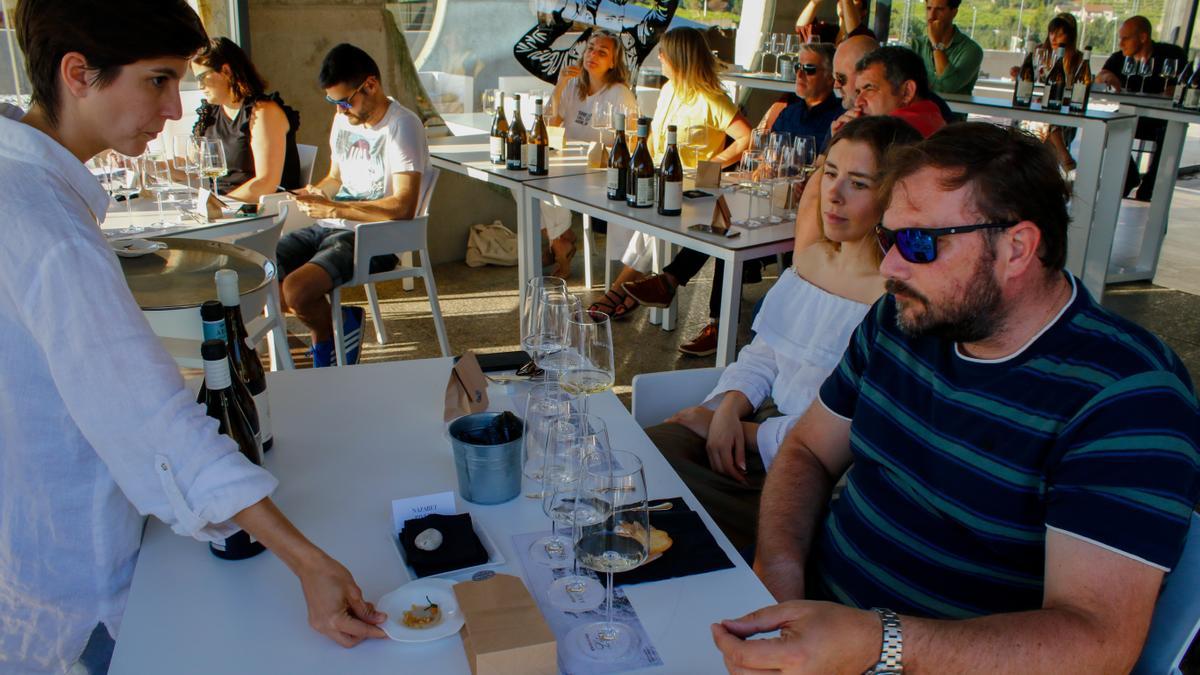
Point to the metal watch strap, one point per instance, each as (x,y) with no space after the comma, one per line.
(893,645)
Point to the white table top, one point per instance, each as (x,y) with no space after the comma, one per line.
(1003,107)
(143,212)
(472,155)
(768,81)
(591,190)
(347,442)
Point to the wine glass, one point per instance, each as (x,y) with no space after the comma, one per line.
(489,101)
(212,160)
(695,141)
(588,357)
(602,117)
(575,592)
(747,182)
(156,177)
(768,49)
(532,313)
(1129,68)
(1145,70)
(545,405)
(560,466)
(1170,70)
(183,160)
(613,483)
(1041,59)
(551,327)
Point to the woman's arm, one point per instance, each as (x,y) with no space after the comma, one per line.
(739,130)
(851,15)
(268,145)
(806,16)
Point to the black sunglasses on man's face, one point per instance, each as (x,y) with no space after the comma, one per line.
(918,245)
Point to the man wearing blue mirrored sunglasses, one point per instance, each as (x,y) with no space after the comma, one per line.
(1020,464)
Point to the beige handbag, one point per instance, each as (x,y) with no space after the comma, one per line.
(491,244)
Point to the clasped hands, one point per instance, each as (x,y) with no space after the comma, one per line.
(315,203)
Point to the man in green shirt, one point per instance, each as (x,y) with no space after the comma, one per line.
(951,58)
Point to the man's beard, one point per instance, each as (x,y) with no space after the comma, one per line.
(976,317)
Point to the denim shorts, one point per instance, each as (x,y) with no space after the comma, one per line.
(330,249)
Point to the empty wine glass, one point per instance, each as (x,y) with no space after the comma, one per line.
(561,463)
(1170,71)
(612,483)
(602,118)
(747,182)
(575,592)
(546,404)
(156,177)
(184,160)
(1129,68)
(1145,70)
(212,160)
(532,312)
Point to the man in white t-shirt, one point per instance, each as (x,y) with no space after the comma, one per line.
(378,171)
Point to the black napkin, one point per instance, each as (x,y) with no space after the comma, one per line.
(693,549)
(460,545)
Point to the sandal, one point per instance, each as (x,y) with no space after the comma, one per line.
(614,305)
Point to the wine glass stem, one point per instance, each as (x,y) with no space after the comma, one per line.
(158,202)
(607,632)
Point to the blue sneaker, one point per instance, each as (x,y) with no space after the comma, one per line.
(322,354)
(352,330)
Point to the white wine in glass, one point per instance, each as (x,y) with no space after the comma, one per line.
(212,161)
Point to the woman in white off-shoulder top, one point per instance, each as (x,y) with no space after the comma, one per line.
(723,447)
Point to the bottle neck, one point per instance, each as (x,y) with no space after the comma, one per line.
(215,330)
(216,375)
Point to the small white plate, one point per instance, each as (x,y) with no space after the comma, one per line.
(135,248)
(494,556)
(420,593)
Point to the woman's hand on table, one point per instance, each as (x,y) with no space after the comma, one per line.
(336,607)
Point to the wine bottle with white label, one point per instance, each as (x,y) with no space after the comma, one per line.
(1023,91)
(1056,83)
(212,316)
(539,143)
(242,354)
(1191,95)
(617,178)
(514,153)
(221,405)
(499,131)
(639,193)
(670,178)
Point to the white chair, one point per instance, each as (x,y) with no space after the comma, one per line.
(657,396)
(384,238)
(308,157)
(271,323)
(1176,617)
(269,205)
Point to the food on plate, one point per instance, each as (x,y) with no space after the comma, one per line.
(660,541)
(422,617)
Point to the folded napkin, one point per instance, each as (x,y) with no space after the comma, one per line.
(460,545)
(693,549)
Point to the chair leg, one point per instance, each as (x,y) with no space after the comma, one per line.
(281,356)
(434,308)
(406,260)
(381,333)
(587,251)
(339,341)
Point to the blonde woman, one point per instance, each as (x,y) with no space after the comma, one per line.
(603,80)
(692,97)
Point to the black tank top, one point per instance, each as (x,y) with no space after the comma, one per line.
(234,134)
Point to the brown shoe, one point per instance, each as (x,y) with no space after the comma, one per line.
(704,344)
(652,291)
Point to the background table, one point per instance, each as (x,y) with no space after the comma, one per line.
(587,194)
(143,212)
(347,442)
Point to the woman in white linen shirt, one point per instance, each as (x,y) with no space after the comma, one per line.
(97,428)
(723,447)
(603,80)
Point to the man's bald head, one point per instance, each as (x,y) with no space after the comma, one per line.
(844,59)
(1134,36)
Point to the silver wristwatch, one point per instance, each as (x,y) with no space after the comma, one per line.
(893,645)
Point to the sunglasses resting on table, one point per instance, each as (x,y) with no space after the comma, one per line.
(919,244)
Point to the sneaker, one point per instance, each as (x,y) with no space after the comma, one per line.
(352,330)
(652,291)
(322,354)
(704,344)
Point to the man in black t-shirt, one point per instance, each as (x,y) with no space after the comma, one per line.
(1134,40)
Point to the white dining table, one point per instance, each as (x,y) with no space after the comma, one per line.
(347,442)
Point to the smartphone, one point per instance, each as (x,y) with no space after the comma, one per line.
(696,194)
(708,229)
(500,361)
(247,210)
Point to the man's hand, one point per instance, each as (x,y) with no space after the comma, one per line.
(697,419)
(727,444)
(815,637)
(335,604)
(316,204)
(1109,78)
(845,118)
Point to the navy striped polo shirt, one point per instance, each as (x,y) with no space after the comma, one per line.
(961,465)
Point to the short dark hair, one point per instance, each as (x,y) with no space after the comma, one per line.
(244,78)
(1012,175)
(1141,23)
(347,64)
(900,64)
(108,35)
(953,4)
(881,132)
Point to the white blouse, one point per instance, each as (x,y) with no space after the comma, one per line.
(801,332)
(96,427)
(577,114)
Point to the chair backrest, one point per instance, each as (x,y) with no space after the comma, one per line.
(657,396)
(1177,614)
(308,157)
(427,194)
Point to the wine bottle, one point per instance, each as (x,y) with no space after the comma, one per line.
(212,317)
(670,178)
(539,143)
(1191,97)
(1181,84)
(1056,83)
(514,155)
(639,193)
(221,405)
(1081,85)
(499,131)
(618,161)
(1023,91)
(242,354)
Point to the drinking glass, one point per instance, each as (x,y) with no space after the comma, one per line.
(695,141)
(560,466)
(1041,58)
(533,313)
(1129,68)
(747,182)
(613,483)
(588,357)
(1146,70)
(602,118)
(545,405)
(575,592)
(550,328)
(768,49)
(183,160)
(156,177)
(212,160)
(490,97)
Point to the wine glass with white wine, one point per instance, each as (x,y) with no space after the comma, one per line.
(212,161)
(588,359)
